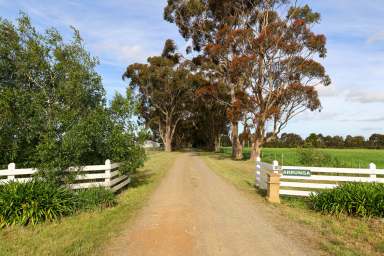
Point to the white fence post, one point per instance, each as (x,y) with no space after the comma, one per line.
(11,168)
(258,171)
(372,176)
(275,164)
(108,168)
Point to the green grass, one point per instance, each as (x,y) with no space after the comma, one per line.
(88,232)
(334,235)
(350,158)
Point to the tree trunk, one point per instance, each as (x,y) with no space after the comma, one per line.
(168,137)
(237,149)
(239,154)
(217,143)
(256,149)
(168,145)
(258,140)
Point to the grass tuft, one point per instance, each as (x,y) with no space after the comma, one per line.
(357,199)
(95,198)
(34,202)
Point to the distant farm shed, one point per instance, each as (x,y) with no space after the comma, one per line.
(149,144)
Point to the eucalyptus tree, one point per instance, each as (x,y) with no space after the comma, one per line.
(265,54)
(209,118)
(282,67)
(202,22)
(163,86)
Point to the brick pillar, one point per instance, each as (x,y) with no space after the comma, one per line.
(273,188)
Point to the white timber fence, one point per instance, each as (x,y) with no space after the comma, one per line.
(106,175)
(302,181)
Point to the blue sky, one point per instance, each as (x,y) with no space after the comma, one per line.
(121,32)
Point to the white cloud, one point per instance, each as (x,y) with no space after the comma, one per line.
(367,119)
(373,119)
(118,53)
(366,96)
(120,32)
(310,116)
(328,91)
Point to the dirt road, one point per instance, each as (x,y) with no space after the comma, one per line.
(195,212)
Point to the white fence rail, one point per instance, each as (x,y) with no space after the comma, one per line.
(106,175)
(302,181)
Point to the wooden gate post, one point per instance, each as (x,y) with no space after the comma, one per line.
(273,188)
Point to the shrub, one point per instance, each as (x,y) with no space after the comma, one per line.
(315,157)
(34,202)
(94,198)
(357,199)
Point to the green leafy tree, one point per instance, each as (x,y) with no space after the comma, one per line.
(291,140)
(376,141)
(163,86)
(46,86)
(314,141)
(354,141)
(334,141)
(209,119)
(54,113)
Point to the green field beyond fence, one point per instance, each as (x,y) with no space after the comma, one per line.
(349,158)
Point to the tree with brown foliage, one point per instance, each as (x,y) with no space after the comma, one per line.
(203,22)
(265,53)
(282,73)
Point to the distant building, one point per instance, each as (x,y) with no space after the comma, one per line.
(149,144)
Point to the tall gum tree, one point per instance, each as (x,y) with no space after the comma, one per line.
(164,89)
(266,53)
(281,68)
(203,23)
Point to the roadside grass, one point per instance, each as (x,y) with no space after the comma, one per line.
(339,236)
(349,158)
(86,233)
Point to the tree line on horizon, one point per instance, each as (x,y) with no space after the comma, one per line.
(313,140)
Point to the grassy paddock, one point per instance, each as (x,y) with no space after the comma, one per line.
(350,158)
(86,233)
(335,235)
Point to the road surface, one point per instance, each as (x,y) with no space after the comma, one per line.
(196,212)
